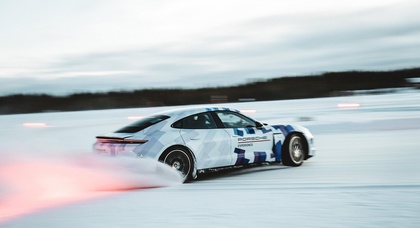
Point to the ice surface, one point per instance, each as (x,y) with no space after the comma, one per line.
(365,174)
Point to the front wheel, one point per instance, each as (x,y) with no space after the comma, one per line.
(179,159)
(294,151)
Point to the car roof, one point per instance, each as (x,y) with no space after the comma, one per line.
(183,112)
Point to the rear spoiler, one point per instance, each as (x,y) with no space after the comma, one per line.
(108,139)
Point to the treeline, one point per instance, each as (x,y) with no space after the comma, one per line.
(323,85)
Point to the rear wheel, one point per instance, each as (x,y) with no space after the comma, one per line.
(294,151)
(179,159)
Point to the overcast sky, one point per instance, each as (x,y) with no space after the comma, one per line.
(61,47)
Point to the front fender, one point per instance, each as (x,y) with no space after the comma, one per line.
(288,129)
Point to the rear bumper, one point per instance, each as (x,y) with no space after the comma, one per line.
(114,149)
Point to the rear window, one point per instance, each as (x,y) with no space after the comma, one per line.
(142,124)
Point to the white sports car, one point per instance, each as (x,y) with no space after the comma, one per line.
(198,140)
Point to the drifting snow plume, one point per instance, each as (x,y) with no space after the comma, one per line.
(29,184)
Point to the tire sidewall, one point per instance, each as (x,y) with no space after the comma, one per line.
(181,152)
(287,156)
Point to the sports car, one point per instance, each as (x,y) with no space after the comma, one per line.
(198,140)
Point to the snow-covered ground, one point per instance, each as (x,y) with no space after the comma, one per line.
(366,172)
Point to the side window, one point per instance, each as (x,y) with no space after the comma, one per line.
(235,120)
(197,121)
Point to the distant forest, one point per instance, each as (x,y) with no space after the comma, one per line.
(322,85)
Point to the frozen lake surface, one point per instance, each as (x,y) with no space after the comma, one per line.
(366,172)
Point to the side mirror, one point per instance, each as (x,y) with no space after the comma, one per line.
(259,125)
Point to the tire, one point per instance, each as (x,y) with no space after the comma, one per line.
(179,159)
(294,151)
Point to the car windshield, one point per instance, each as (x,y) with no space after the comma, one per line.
(142,124)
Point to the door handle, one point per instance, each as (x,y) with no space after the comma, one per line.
(194,138)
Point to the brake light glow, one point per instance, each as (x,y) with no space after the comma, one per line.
(135,117)
(248,111)
(33,124)
(348,105)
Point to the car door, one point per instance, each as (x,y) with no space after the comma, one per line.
(250,142)
(211,145)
